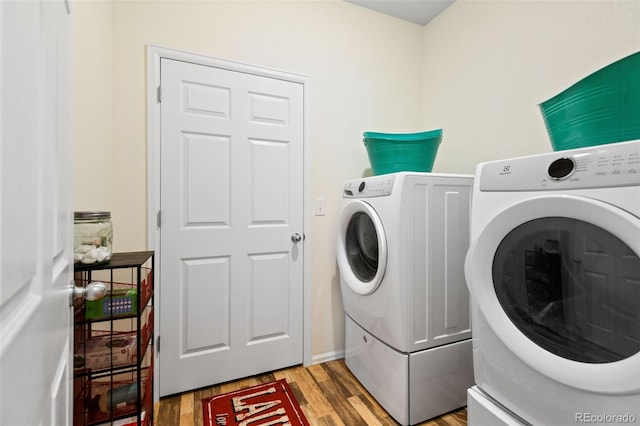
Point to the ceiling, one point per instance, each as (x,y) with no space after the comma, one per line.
(417,11)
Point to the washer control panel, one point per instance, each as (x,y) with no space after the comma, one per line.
(561,168)
(376,186)
(594,167)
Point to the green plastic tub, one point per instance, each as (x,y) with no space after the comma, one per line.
(602,108)
(402,152)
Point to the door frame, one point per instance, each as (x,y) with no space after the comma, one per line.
(153,56)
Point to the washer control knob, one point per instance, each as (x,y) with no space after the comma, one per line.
(361,187)
(561,168)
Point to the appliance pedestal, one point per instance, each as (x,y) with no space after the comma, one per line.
(482,410)
(411,387)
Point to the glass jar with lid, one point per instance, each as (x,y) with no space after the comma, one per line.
(93,237)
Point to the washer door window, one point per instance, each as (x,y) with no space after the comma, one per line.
(362,248)
(557,279)
(572,288)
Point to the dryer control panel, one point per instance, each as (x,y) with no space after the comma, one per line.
(600,166)
(376,186)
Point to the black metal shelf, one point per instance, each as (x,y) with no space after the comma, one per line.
(118,389)
(118,261)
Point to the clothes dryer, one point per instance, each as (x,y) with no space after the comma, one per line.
(401,247)
(554,273)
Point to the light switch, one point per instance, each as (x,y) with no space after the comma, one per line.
(321,206)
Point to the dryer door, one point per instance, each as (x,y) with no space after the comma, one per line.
(558,280)
(362,248)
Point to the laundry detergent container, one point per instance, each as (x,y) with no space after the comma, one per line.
(402,152)
(602,108)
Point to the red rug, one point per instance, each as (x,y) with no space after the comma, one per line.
(262,405)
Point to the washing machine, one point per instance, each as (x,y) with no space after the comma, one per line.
(554,277)
(401,245)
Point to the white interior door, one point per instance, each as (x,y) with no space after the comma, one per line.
(231,197)
(35,219)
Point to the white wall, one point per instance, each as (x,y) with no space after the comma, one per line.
(478,71)
(366,75)
(488,64)
(92,105)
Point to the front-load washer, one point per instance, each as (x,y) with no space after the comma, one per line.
(554,275)
(401,245)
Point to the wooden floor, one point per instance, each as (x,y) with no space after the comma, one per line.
(328,394)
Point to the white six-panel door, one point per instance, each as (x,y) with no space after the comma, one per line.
(231,197)
(35,219)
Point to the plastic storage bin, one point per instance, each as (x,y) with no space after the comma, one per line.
(402,152)
(602,108)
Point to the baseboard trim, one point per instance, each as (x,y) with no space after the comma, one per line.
(327,356)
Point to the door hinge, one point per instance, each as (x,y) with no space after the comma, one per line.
(159,92)
(157,345)
(159,218)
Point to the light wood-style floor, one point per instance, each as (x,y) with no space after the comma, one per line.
(328,394)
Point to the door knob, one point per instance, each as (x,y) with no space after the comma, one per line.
(93,291)
(296,238)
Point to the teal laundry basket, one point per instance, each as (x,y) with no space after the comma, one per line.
(402,152)
(602,108)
